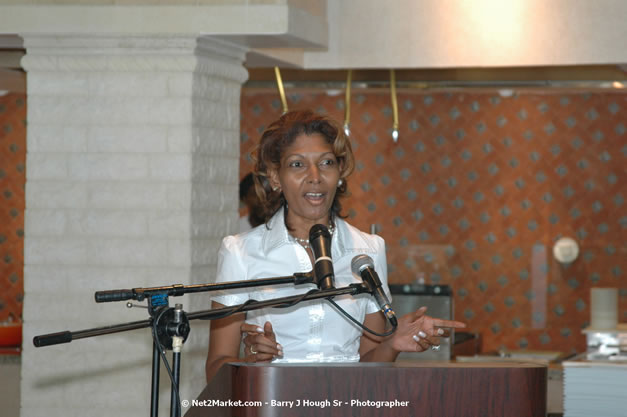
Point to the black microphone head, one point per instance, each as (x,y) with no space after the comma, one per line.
(318,230)
(360,262)
(320,241)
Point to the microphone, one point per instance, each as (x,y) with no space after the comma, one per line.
(364,265)
(320,242)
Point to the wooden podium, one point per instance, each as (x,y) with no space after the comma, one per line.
(376,389)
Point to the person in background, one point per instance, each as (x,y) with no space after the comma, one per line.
(248,198)
(301,167)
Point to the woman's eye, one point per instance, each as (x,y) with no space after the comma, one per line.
(328,162)
(295,164)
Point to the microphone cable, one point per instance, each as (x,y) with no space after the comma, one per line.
(300,299)
(164,358)
(351,318)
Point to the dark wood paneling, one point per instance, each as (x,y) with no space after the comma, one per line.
(429,389)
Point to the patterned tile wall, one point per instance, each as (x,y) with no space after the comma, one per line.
(476,192)
(12,180)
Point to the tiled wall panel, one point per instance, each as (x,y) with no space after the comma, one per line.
(12,179)
(476,192)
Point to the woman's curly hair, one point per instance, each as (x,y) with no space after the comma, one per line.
(279,136)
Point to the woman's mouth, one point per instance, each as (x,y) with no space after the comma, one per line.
(314,198)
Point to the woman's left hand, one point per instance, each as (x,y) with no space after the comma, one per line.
(417,332)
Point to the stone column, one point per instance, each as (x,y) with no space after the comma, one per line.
(132,180)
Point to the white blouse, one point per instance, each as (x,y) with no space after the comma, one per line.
(311,331)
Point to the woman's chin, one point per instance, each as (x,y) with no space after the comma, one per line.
(318,214)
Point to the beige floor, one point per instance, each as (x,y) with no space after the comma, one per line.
(10,385)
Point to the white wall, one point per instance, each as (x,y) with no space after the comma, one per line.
(472,33)
(132,178)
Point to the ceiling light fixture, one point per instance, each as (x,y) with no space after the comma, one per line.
(347,104)
(279,84)
(394,106)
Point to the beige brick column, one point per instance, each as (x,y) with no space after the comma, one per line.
(132,176)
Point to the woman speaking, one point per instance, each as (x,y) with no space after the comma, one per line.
(302,162)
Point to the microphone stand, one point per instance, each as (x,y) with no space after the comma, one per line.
(171,325)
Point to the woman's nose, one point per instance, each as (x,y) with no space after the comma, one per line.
(314,174)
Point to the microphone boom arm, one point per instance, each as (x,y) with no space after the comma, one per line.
(178,289)
(68,336)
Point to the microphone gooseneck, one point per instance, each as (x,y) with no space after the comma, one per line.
(363,265)
(320,242)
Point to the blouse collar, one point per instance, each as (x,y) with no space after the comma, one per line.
(343,241)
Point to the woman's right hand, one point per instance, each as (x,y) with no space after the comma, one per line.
(260,345)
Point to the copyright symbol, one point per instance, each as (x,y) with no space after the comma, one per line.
(185,403)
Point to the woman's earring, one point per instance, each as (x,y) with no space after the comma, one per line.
(340,182)
(275,188)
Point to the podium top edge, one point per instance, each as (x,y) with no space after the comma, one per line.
(501,364)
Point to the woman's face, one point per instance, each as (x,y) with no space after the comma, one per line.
(308,175)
